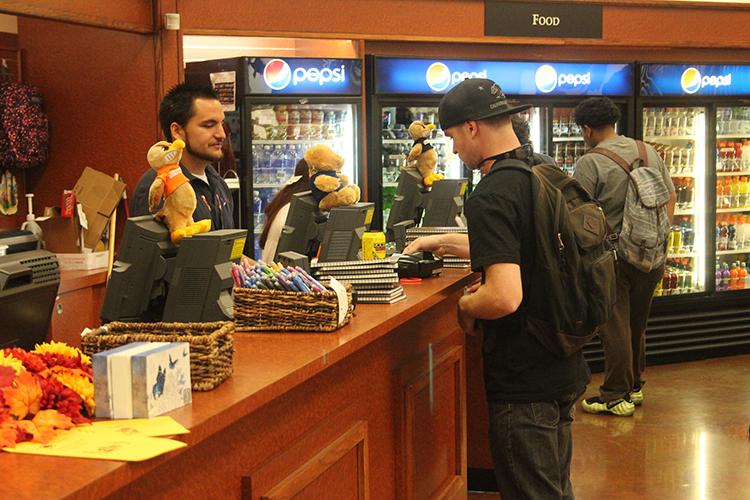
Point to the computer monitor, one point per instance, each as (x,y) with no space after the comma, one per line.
(200,287)
(151,274)
(301,229)
(342,237)
(444,204)
(407,203)
(137,288)
(28,289)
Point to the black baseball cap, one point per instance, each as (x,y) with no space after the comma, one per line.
(475,99)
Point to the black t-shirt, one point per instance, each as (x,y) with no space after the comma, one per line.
(517,367)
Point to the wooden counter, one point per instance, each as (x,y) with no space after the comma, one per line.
(374,410)
(79,300)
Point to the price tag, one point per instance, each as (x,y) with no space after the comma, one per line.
(343,299)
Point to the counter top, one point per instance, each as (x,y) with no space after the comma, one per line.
(75,280)
(266,366)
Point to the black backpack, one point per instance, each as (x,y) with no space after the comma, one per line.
(572,287)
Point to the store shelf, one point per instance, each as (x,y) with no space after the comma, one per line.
(297,141)
(390,184)
(733,136)
(689,255)
(731,210)
(436,140)
(656,138)
(267,185)
(732,174)
(733,252)
(686,211)
(572,138)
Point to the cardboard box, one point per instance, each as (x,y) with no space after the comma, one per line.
(82,261)
(161,379)
(99,194)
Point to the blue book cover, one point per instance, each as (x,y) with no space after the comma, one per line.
(161,379)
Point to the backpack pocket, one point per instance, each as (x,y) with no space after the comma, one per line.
(589,225)
(602,288)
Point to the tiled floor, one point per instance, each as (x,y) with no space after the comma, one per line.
(689,440)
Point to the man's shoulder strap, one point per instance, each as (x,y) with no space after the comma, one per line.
(642,156)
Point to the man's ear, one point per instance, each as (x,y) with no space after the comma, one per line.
(177,131)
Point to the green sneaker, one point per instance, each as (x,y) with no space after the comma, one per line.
(636,395)
(620,407)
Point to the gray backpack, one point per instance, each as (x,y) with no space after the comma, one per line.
(642,241)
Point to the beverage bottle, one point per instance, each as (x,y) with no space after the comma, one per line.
(329,124)
(690,123)
(564,121)
(665,282)
(305,122)
(558,159)
(717,278)
(733,277)
(734,191)
(743,276)
(555,123)
(670,240)
(688,274)
(723,235)
(737,164)
(282,119)
(264,165)
(746,153)
(316,123)
(742,192)
(667,125)
(718,233)
(293,122)
(575,130)
(725,276)
(732,234)
(658,121)
(257,210)
(648,127)
(719,165)
(677,240)
(673,281)
(276,165)
(255,156)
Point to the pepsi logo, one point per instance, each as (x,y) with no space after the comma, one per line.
(277,74)
(546,78)
(691,80)
(438,76)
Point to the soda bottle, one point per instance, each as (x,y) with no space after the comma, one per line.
(734,192)
(305,122)
(316,123)
(556,123)
(648,126)
(733,277)
(293,126)
(725,276)
(717,278)
(564,129)
(723,235)
(257,210)
(743,276)
(673,281)
(746,153)
(665,283)
(732,234)
(282,118)
(329,124)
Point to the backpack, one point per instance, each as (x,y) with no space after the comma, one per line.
(572,287)
(642,241)
(24,132)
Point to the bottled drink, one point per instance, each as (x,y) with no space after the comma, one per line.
(717,277)
(688,158)
(564,130)
(305,122)
(733,277)
(282,119)
(723,235)
(743,276)
(556,123)
(293,120)
(257,211)
(732,234)
(725,276)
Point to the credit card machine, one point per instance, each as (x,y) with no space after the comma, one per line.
(419,265)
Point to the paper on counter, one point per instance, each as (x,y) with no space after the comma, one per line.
(127,440)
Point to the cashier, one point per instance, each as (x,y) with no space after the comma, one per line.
(194,114)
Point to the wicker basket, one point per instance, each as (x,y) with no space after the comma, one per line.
(211,345)
(274,310)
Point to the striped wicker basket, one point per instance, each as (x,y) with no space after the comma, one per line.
(274,310)
(211,345)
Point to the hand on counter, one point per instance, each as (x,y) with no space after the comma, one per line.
(441,244)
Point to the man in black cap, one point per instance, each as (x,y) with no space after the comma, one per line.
(531,393)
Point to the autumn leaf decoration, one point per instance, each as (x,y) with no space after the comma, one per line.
(43,391)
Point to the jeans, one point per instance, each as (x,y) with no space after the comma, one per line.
(532,446)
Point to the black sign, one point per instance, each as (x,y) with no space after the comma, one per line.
(544,20)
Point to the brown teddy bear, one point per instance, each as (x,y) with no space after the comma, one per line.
(329,186)
(179,196)
(423,152)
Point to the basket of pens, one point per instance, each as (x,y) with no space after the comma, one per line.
(276,298)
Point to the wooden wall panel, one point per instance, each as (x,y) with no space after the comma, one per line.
(101,99)
(133,15)
(433,440)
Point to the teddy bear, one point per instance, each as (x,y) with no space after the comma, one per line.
(329,186)
(423,152)
(174,187)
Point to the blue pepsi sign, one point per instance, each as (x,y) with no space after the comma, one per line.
(694,79)
(305,76)
(430,76)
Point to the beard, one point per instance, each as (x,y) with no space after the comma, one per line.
(203,155)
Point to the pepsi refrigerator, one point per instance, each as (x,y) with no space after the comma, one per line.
(697,116)
(277,109)
(404,90)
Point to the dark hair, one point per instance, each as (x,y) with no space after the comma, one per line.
(285,196)
(177,105)
(597,112)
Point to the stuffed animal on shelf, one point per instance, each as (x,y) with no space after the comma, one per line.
(174,187)
(329,186)
(423,152)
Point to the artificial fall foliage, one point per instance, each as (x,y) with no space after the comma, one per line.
(43,390)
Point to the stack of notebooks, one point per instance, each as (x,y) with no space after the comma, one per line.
(375,281)
(448,260)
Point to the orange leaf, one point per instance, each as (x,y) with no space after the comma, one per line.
(25,397)
(7,374)
(8,434)
(28,427)
(52,419)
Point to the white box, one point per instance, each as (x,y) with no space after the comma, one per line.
(82,261)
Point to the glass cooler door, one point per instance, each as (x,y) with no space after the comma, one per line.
(679,135)
(732,200)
